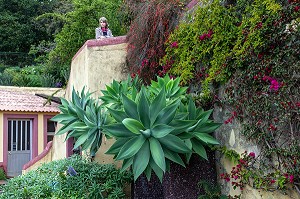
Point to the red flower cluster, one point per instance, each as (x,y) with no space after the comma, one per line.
(233,115)
(174,44)
(275,85)
(206,35)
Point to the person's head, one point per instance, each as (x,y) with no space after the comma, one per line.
(103,22)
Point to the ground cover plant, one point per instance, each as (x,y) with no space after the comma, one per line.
(74,177)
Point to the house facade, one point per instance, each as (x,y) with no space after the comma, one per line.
(25,128)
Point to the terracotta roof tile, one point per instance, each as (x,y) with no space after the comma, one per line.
(19,101)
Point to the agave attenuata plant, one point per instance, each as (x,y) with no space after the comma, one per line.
(82,118)
(152,131)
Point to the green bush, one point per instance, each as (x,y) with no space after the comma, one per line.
(73,177)
(2,174)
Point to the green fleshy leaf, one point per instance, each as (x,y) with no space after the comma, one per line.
(81,140)
(117,145)
(198,148)
(207,127)
(126,163)
(174,144)
(118,130)
(166,115)
(131,147)
(130,107)
(62,117)
(173,157)
(157,170)
(143,109)
(161,130)
(133,125)
(157,153)
(119,116)
(141,160)
(208,139)
(157,105)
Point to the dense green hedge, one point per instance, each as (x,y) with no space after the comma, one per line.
(69,178)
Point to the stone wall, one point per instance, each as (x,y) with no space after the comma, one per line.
(230,136)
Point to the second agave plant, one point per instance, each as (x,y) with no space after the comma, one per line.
(155,127)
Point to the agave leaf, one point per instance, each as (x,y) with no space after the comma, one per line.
(173,157)
(126,163)
(112,92)
(62,117)
(64,102)
(157,170)
(208,139)
(130,107)
(191,109)
(89,123)
(157,153)
(143,109)
(90,113)
(181,125)
(133,125)
(148,172)
(157,105)
(141,160)
(119,116)
(174,143)
(166,115)
(118,130)
(185,135)
(116,147)
(108,99)
(207,127)
(198,148)
(204,116)
(66,128)
(161,130)
(131,147)
(81,140)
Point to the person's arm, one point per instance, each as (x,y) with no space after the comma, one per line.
(98,33)
(109,33)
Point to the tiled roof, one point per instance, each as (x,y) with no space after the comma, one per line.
(21,101)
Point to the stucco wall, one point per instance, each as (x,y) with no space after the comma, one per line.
(96,64)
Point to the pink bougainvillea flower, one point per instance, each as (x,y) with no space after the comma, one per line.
(274,85)
(202,37)
(291,178)
(296,8)
(272,181)
(174,44)
(252,154)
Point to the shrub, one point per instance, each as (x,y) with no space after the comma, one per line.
(2,174)
(153,21)
(74,177)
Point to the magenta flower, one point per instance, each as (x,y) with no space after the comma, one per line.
(202,37)
(252,154)
(291,178)
(296,8)
(174,44)
(274,85)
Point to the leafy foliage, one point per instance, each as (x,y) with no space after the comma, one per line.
(253,47)
(69,178)
(152,22)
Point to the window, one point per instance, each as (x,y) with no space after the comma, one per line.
(51,126)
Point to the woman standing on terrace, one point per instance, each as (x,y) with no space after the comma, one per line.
(103,31)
